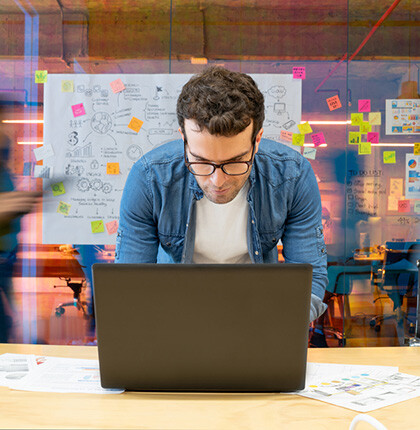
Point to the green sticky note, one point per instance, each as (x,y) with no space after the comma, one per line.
(417,206)
(58,189)
(389,157)
(63,208)
(365,127)
(356,118)
(298,139)
(97,226)
(365,148)
(41,76)
(354,137)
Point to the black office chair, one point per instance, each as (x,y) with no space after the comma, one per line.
(398,278)
(77,288)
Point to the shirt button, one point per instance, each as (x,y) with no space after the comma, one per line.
(253,222)
(256,252)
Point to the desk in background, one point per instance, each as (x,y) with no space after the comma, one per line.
(20,409)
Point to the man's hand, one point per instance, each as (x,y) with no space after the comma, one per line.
(17,203)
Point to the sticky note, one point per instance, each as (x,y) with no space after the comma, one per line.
(41,76)
(354,137)
(58,189)
(135,124)
(356,118)
(305,128)
(67,86)
(112,227)
(117,86)
(112,168)
(78,110)
(389,157)
(375,118)
(417,148)
(417,206)
(365,148)
(318,138)
(43,152)
(298,139)
(309,153)
(63,208)
(364,105)
(287,136)
(403,205)
(392,203)
(97,226)
(334,103)
(299,73)
(365,127)
(372,137)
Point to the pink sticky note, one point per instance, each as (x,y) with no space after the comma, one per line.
(318,139)
(78,110)
(299,73)
(334,103)
(112,227)
(117,86)
(372,137)
(364,105)
(287,136)
(403,205)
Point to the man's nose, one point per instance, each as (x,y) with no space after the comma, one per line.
(218,178)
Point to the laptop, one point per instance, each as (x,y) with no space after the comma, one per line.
(193,327)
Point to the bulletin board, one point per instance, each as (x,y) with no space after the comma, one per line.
(97,126)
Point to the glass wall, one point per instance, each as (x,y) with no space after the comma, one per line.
(365,54)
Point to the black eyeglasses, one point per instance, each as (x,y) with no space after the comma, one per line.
(206,168)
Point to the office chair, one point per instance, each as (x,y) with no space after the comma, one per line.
(398,278)
(77,288)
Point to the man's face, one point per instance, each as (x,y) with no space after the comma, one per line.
(202,146)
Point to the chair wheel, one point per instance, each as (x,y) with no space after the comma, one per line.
(372,323)
(377,328)
(59,312)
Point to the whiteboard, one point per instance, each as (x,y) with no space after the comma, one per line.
(77,149)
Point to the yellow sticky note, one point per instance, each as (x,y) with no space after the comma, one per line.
(63,208)
(354,137)
(389,157)
(58,189)
(135,124)
(375,118)
(356,118)
(41,76)
(365,127)
(365,148)
(97,226)
(417,148)
(298,139)
(112,168)
(305,128)
(67,86)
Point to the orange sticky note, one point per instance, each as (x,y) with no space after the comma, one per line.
(334,103)
(403,205)
(112,168)
(112,227)
(135,124)
(287,136)
(117,86)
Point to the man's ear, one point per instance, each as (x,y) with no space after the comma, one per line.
(182,134)
(258,140)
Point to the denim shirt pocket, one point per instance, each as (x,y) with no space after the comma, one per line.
(269,240)
(320,243)
(172,245)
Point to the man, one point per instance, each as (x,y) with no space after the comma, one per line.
(223,194)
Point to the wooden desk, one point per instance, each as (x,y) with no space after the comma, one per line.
(19,409)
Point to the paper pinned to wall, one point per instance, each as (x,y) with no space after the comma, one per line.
(96,132)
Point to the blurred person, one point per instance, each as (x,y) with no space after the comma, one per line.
(13,204)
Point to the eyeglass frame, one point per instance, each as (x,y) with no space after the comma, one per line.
(218,166)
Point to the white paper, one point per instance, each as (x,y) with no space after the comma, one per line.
(43,152)
(412,176)
(84,145)
(42,171)
(402,117)
(15,367)
(60,375)
(360,388)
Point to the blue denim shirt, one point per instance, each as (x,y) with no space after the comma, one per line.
(158,210)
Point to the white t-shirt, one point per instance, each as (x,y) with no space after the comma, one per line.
(221,230)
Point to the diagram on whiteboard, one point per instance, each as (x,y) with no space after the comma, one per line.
(97,126)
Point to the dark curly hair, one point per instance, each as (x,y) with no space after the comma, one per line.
(221,101)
